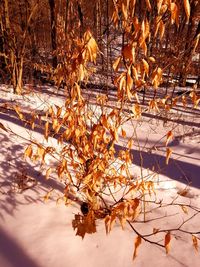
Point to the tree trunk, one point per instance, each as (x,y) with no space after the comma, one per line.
(17,85)
(52,6)
(2,47)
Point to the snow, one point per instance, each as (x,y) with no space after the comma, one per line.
(35,233)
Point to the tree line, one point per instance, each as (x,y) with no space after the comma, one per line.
(36,35)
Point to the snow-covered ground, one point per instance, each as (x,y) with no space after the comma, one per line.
(35,233)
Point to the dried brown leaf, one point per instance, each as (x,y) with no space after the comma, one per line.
(184,209)
(168,154)
(159,5)
(46,130)
(116,64)
(28,152)
(169,137)
(148,5)
(123,133)
(167,242)
(48,172)
(137,243)
(187,8)
(195,242)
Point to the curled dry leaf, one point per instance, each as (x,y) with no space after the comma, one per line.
(167,242)
(28,152)
(157,77)
(152,59)
(130,143)
(135,73)
(48,172)
(162,29)
(168,154)
(184,209)
(195,242)
(18,111)
(46,130)
(187,8)
(153,105)
(123,133)
(159,5)
(146,66)
(196,42)
(137,111)
(183,192)
(128,52)
(116,64)
(148,5)
(138,241)
(125,11)
(174,13)
(47,196)
(91,47)
(169,137)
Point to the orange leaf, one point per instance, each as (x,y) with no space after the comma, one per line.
(46,130)
(129,82)
(137,110)
(48,172)
(17,109)
(146,66)
(78,91)
(169,137)
(144,47)
(184,209)
(41,153)
(196,42)
(157,77)
(138,241)
(104,121)
(152,59)
(167,242)
(169,152)
(148,5)
(47,196)
(187,9)
(159,4)
(195,242)
(162,29)
(124,11)
(135,73)
(174,13)
(115,134)
(59,111)
(129,144)
(128,52)
(28,152)
(81,72)
(123,133)
(116,64)
(136,97)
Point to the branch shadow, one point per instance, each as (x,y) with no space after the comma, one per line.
(12,168)
(178,170)
(13,253)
